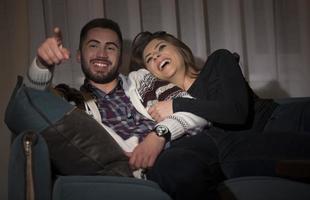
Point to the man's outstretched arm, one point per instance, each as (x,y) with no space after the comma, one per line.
(50,53)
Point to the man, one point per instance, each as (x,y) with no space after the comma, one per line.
(99,53)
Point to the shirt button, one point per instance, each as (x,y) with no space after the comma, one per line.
(129,116)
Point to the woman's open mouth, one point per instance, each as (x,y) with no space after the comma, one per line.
(163,64)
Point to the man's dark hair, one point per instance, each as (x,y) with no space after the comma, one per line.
(100,23)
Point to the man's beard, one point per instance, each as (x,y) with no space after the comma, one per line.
(100,77)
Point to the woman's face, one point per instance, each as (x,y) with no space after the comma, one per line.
(163,59)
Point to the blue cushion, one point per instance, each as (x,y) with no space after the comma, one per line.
(34,109)
(106,187)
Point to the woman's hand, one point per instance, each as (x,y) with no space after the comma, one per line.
(145,154)
(160,110)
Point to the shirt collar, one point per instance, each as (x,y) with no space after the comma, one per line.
(88,87)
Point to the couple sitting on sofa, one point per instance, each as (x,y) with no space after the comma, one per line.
(183,126)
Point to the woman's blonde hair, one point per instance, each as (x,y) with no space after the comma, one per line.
(143,38)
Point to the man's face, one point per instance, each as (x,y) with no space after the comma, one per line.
(100,55)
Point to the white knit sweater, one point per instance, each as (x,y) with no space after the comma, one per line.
(178,123)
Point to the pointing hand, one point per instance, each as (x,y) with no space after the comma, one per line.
(51,52)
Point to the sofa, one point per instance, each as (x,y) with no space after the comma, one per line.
(52,165)
(31,176)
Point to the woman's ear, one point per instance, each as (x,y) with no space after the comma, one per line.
(78,56)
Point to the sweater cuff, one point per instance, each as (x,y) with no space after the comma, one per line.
(39,78)
(174,127)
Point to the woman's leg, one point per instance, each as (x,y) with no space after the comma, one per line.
(253,153)
(293,117)
(189,169)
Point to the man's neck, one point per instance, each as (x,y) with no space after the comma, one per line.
(105,87)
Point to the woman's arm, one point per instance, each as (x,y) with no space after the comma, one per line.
(220,91)
(178,123)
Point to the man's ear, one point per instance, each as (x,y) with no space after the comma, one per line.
(78,56)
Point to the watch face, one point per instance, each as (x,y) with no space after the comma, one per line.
(161,130)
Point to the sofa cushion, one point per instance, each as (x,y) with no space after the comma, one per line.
(106,187)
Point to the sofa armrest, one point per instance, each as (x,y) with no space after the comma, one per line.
(29,169)
(292,99)
(262,188)
(294,169)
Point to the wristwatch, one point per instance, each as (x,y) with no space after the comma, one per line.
(163,131)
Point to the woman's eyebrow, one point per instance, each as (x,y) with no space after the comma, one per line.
(158,44)
(154,48)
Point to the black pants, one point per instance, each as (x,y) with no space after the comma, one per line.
(189,168)
(193,166)
(293,117)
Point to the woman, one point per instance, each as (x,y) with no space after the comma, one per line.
(221,93)
(248,136)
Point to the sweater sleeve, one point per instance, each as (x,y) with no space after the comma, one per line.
(37,77)
(178,123)
(220,91)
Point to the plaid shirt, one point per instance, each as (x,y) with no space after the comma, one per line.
(118,113)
